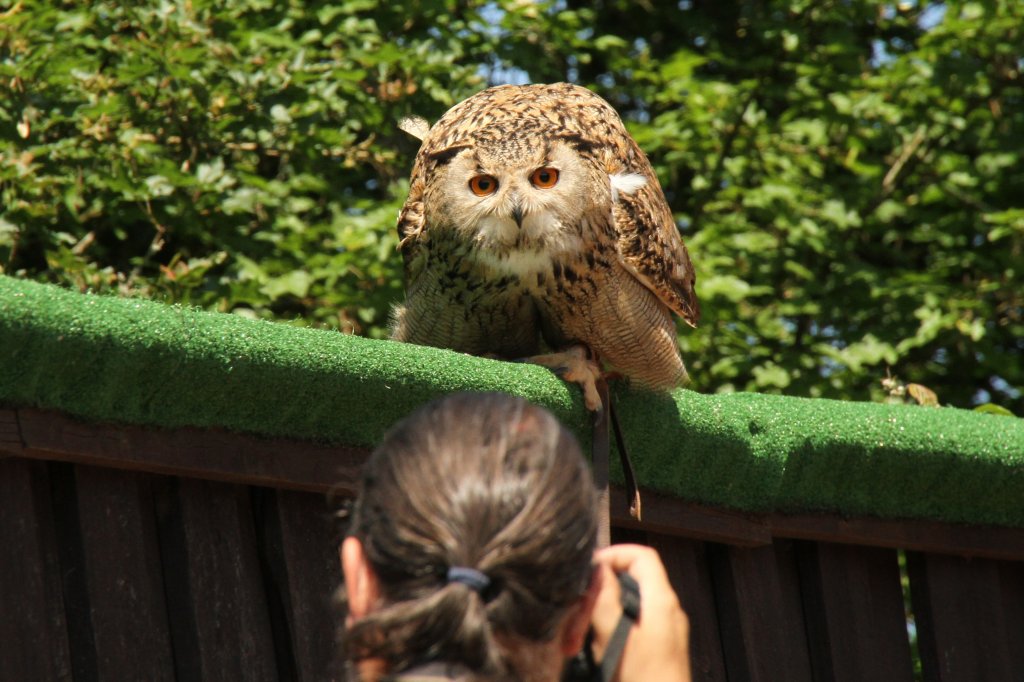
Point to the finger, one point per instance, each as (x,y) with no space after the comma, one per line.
(607,611)
(643,563)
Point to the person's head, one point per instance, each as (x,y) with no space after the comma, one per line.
(485,482)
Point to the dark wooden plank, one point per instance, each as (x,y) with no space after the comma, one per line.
(123,576)
(311,575)
(687,566)
(199,453)
(10,433)
(71,557)
(791,603)
(33,629)
(853,606)
(221,587)
(670,516)
(1011,582)
(914,535)
(762,629)
(961,628)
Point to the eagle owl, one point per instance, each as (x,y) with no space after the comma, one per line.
(534,222)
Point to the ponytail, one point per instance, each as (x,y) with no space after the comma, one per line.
(477,515)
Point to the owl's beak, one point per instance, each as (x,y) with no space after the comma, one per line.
(517,211)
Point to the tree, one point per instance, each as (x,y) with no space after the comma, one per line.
(847,175)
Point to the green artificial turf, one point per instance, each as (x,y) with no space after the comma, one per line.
(133,361)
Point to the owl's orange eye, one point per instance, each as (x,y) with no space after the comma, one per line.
(483,185)
(544,178)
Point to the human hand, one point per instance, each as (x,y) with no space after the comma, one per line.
(657,649)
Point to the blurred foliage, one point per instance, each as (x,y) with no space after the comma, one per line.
(849,176)
(239,156)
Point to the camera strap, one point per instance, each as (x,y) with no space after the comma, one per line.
(601,454)
(583,667)
(629,596)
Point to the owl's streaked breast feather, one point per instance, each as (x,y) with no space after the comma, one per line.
(516,261)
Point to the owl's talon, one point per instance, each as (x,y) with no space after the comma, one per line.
(575,366)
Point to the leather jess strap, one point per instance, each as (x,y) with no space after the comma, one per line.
(601,453)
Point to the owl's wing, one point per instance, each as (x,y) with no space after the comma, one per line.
(650,247)
(411,221)
(411,224)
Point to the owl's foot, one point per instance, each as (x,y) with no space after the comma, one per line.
(575,365)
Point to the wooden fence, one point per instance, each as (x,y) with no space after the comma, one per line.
(135,554)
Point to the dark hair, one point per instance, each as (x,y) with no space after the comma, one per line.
(484,481)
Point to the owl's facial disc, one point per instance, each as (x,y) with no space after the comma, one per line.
(517,201)
(519,215)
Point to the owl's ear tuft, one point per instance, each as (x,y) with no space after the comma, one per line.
(416,126)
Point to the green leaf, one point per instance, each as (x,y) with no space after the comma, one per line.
(295,283)
(990,408)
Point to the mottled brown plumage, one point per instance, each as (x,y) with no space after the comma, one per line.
(500,260)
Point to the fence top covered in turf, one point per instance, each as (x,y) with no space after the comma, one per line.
(132,361)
